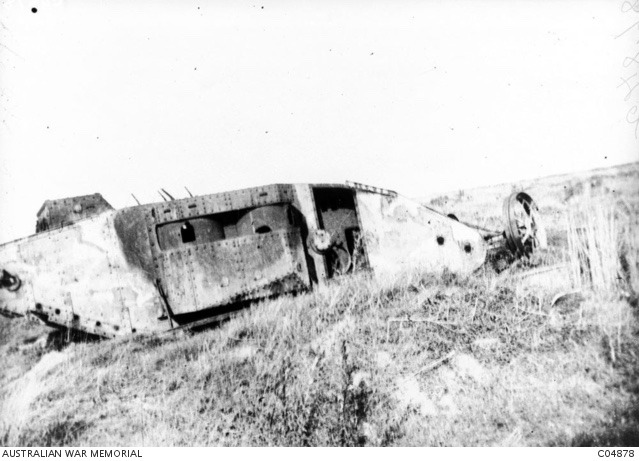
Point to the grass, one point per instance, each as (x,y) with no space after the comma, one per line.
(415,359)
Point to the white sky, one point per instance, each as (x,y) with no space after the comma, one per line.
(118,97)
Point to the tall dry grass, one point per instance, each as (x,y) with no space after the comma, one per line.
(333,368)
(603,246)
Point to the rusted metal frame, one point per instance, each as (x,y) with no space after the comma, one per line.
(367,188)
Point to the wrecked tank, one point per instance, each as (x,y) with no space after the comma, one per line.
(187,262)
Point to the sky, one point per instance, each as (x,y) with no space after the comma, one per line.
(125,97)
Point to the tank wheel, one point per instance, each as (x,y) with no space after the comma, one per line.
(523,225)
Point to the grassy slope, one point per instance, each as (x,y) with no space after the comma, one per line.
(328,368)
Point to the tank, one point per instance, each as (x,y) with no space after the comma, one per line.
(187,262)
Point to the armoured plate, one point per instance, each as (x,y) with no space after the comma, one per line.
(215,274)
(400,234)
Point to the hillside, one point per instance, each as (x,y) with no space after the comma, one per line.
(417,359)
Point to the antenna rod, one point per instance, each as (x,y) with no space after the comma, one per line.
(135,198)
(170,196)
(187,189)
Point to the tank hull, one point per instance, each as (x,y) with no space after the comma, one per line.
(160,266)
